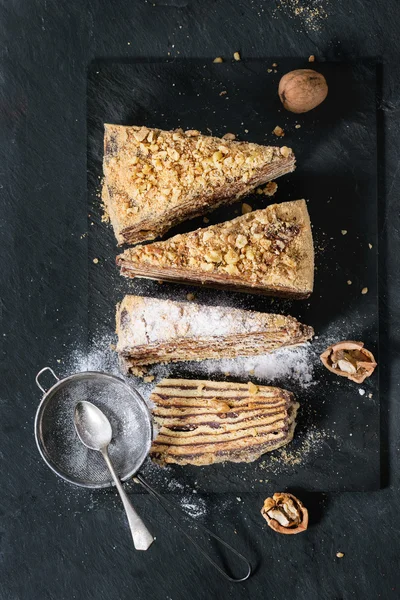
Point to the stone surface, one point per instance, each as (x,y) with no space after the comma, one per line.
(60,543)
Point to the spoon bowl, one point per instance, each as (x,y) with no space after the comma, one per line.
(92,426)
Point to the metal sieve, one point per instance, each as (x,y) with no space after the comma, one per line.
(132,427)
(59,444)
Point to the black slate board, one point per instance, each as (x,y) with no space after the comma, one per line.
(336,171)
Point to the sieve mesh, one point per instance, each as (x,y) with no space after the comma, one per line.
(59,443)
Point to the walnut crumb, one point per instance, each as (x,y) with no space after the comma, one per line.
(285,151)
(219,59)
(253,389)
(370,246)
(229,136)
(364,290)
(223,93)
(297,126)
(270,188)
(95,260)
(344,231)
(311,58)
(190,297)
(269,70)
(246,208)
(339,554)
(349,282)
(274,65)
(278,131)
(236,56)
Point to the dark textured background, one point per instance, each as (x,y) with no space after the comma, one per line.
(51,548)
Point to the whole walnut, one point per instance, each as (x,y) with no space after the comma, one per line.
(302,90)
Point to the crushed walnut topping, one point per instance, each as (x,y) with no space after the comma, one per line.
(278,131)
(349,359)
(285,513)
(246,247)
(156,167)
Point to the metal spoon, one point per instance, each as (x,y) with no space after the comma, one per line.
(95,432)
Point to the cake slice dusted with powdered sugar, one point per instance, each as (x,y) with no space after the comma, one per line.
(161,331)
(205,422)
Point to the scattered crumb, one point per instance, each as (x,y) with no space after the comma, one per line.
(238,499)
(311,58)
(138,371)
(236,56)
(223,93)
(310,13)
(219,59)
(270,188)
(344,231)
(278,131)
(339,554)
(58,360)
(148,378)
(274,65)
(275,71)
(190,297)
(206,220)
(361,392)
(246,208)
(349,282)
(269,70)
(95,260)
(229,136)
(369,395)
(364,290)
(297,126)
(246,131)
(370,246)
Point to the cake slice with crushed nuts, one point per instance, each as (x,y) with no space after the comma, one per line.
(268,251)
(155,179)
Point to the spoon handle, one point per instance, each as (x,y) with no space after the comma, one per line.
(142,538)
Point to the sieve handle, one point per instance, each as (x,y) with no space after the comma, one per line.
(41,373)
(166,504)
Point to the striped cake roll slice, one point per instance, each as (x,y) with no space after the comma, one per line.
(205,422)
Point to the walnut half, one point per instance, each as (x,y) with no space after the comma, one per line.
(285,513)
(349,359)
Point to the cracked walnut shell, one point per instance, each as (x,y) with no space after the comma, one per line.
(349,359)
(285,513)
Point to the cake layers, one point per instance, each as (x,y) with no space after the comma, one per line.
(155,179)
(268,251)
(153,331)
(204,422)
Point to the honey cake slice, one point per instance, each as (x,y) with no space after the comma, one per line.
(205,422)
(268,251)
(152,331)
(155,179)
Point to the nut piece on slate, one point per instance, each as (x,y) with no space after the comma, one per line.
(302,90)
(284,513)
(349,359)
